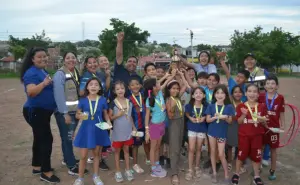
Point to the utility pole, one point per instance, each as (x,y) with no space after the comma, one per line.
(83,29)
(191,36)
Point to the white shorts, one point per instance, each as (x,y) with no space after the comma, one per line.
(199,135)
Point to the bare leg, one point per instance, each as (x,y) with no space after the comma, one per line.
(192,143)
(221,149)
(273,158)
(82,162)
(126,156)
(117,159)
(198,152)
(135,154)
(213,143)
(147,150)
(96,152)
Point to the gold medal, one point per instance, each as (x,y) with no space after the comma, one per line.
(93,111)
(198,116)
(141,109)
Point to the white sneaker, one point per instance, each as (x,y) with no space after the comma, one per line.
(265,163)
(137,168)
(78,182)
(63,163)
(129,175)
(90,160)
(97,181)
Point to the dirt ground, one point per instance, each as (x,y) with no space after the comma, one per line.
(16,142)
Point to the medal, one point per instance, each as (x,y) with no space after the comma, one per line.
(198,116)
(93,111)
(270,106)
(139,103)
(253,114)
(178,103)
(219,113)
(121,108)
(160,104)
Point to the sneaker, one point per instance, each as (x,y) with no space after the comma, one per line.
(78,182)
(75,171)
(265,163)
(90,160)
(52,179)
(272,175)
(103,166)
(258,181)
(226,181)
(64,163)
(158,171)
(38,172)
(119,177)
(97,180)
(148,162)
(214,179)
(129,175)
(235,179)
(137,168)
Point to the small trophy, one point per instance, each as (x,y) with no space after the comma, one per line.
(175,57)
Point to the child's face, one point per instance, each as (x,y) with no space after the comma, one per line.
(252,93)
(203,58)
(135,86)
(191,73)
(151,71)
(93,87)
(160,73)
(174,91)
(240,79)
(120,90)
(237,94)
(202,81)
(220,95)
(271,86)
(198,95)
(211,82)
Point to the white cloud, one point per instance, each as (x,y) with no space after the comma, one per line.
(163,19)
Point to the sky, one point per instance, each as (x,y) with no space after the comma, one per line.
(212,22)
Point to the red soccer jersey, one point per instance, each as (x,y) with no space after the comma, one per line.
(247,128)
(276,109)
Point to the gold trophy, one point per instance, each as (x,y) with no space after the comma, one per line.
(175,57)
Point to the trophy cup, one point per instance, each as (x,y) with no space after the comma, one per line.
(175,57)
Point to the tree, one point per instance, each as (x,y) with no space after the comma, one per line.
(202,47)
(67,46)
(133,37)
(18,51)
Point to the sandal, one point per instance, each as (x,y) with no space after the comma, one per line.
(229,167)
(189,175)
(198,172)
(175,181)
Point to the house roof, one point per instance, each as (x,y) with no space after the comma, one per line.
(8,59)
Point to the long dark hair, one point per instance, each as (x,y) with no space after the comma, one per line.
(27,61)
(148,90)
(169,86)
(224,89)
(192,101)
(86,91)
(85,62)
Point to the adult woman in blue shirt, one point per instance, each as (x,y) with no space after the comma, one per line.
(37,111)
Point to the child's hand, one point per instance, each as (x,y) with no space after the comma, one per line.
(193,120)
(173,72)
(262,119)
(147,138)
(121,113)
(244,111)
(223,117)
(81,116)
(202,119)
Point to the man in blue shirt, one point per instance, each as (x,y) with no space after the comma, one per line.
(121,72)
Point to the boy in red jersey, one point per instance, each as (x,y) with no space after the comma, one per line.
(275,105)
(251,117)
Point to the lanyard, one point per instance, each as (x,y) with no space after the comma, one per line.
(178,103)
(121,108)
(200,112)
(219,113)
(269,106)
(75,76)
(209,96)
(253,115)
(140,104)
(159,104)
(93,111)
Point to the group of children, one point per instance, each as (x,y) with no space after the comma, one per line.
(221,119)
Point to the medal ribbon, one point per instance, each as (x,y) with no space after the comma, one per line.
(253,115)
(178,103)
(200,112)
(269,106)
(93,111)
(159,104)
(140,104)
(120,106)
(219,113)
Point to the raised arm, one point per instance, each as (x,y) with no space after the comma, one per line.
(119,50)
(185,62)
(225,67)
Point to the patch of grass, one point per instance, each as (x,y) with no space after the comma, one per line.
(9,75)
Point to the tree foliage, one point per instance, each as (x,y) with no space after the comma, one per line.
(134,36)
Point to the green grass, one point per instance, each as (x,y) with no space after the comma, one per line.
(9,75)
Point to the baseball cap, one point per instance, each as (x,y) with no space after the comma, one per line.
(250,55)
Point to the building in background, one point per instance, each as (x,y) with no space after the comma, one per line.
(54,60)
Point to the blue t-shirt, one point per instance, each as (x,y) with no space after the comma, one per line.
(219,130)
(158,116)
(122,74)
(208,94)
(84,106)
(196,127)
(45,99)
(232,83)
(86,76)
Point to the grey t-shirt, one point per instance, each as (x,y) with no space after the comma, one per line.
(122,127)
(210,68)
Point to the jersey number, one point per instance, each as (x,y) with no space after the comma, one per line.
(274,138)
